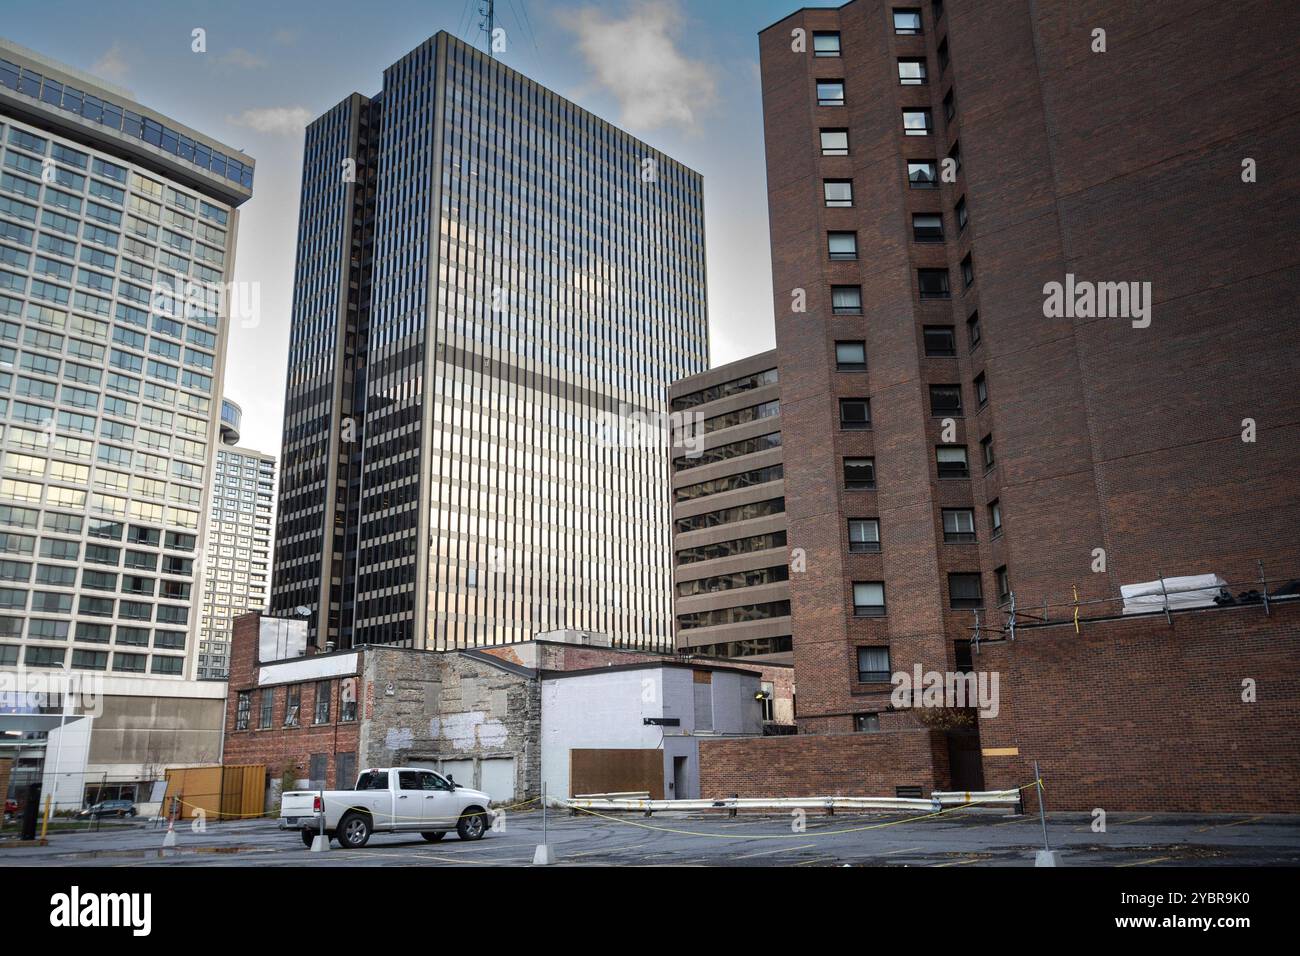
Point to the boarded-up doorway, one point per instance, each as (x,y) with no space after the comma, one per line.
(616,771)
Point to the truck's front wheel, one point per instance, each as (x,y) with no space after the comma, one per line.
(473,823)
(353,831)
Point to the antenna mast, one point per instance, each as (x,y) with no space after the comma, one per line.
(489,18)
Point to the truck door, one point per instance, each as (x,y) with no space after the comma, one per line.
(408,801)
(441,806)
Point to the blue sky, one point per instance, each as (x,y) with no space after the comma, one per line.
(681,74)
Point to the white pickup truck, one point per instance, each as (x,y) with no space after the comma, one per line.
(394,800)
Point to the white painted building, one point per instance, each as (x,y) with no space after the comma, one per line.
(656,706)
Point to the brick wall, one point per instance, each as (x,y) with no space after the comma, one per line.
(1144,715)
(851,765)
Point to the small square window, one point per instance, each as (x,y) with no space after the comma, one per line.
(907,21)
(842,246)
(869,600)
(864,535)
(933,283)
(873,665)
(866,723)
(826,44)
(911,72)
(922,174)
(835,142)
(917,122)
(855,413)
(927,227)
(846,299)
(958,525)
(951,461)
(838,192)
(945,400)
(859,474)
(940,341)
(851,356)
(830,92)
(965,590)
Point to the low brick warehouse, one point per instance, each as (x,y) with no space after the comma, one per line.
(820,765)
(1140,714)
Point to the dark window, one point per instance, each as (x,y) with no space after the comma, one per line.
(927,227)
(940,341)
(945,400)
(943,55)
(986,445)
(961,214)
(1004,585)
(917,122)
(951,461)
(864,535)
(955,155)
(851,356)
(292,705)
(967,272)
(855,413)
(995,517)
(826,44)
(835,142)
(264,715)
(322,714)
(933,283)
(243,704)
(937,6)
(949,106)
(345,771)
(373,780)
(842,245)
(873,665)
(965,590)
(981,390)
(830,92)
(846,299)
(859,474)
(348,699)
(973,330)
(922,174)
(958,525)
(907,21)
(869,600)
(866,723)
(838,192)
(911,72)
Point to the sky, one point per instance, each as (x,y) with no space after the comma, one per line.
(680,74)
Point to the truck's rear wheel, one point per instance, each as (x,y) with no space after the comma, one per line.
(354,831)
(472,824)
(433,836)
(308,836)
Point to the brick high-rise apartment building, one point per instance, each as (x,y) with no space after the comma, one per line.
(932,168)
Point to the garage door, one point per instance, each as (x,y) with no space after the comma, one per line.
(461,770)
(497,778)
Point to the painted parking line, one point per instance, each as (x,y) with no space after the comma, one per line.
(1158,859)
(824,859)
(1234,823)
(470,859)
(906,849)
(972,859)
(782,849)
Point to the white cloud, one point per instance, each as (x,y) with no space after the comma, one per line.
(637,60)
(112,65)
(278,120)
(241,58)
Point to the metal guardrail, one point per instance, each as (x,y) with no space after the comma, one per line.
(937,800)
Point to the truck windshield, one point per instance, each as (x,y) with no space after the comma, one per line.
(373,780)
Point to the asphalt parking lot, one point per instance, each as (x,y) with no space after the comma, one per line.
(968,838)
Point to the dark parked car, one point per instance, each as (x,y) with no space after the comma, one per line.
(108,808)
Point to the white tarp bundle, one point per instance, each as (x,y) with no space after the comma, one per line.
(1193,590)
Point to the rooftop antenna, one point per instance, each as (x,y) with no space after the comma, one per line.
(489,23)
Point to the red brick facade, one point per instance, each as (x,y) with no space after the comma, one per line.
(1141,714)
(1122,166)
(850,765)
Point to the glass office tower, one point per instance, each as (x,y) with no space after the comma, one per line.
(110,369)
(490,280)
